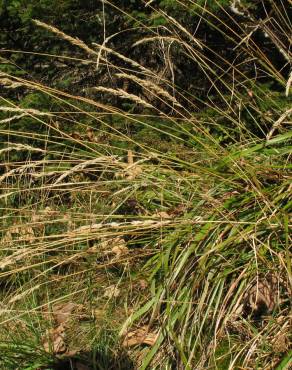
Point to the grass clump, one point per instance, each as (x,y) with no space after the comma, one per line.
(150,232)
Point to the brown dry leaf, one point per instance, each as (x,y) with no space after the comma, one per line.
(260,297)
(178,210)
(55,340)
(76,135)
(7,239)
(112,292)
(48,211)
(27,234)
(107,243)
(68,220)
(263,292)
(120,250)
(118,242)
(92,250)
(140,336)
(62,312)
(133,171)
(130,157)
(36,217)
(19,233)
(280,343)
(163,215)
(130,173)
(72,352)
(118,246)
(90,134)
(143,284)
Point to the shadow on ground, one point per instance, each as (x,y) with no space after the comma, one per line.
(94,360)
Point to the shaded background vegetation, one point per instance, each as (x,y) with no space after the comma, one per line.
(95,21)
(199,81)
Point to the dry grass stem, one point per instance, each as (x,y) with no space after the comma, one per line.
(145,40)
(26,111)
(278,123)
(288,85)
(64,36)
(150,86)
(124,95)
(106,160)
(125,59)
(20,147)
(184,30)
